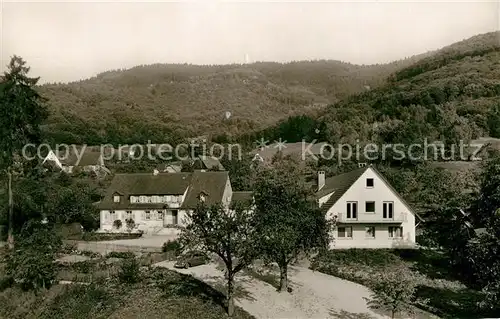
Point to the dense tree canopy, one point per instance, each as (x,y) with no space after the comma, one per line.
(451,95)
(287,216)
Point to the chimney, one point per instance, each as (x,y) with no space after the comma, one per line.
(155,172)
(321,180)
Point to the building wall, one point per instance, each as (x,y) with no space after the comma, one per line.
(381,239)
(139,216)
(379,193)
(228,193)
(51,156)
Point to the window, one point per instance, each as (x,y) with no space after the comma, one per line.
(169,198)
(133,199)
(150,199)
(112,215)
(344,232)
(129,214)
(142,199)
(388,210)
(148,215)
(395,232)
(370,232)
(370,207)
(369,182)
(116,198)
(175,220)
(352,210)
(160,215)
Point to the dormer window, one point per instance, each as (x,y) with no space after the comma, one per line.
(202,197)
(369,182)
(116,198)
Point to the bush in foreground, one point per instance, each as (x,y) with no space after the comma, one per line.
(32,262)
(393,291)
(172,246)
(129,271)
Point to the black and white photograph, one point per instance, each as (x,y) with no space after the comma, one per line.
(249,159)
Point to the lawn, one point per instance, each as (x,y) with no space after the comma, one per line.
(160,294)
(438,291)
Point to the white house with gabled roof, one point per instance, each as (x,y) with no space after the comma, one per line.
(369,211)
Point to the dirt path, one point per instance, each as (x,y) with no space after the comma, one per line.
(315,295)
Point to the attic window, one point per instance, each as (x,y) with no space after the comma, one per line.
(116,198)
(369,182)
(202,197)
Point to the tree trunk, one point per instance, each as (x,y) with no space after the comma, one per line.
(283,278)
(230,292)
(10,236)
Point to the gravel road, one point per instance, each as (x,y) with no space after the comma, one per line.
(315,295)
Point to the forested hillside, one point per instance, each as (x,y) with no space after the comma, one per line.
(450,95)
(163,102)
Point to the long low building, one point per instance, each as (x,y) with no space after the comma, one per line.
(368,210)
(159,201)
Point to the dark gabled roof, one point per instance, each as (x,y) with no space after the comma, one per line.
(242,197)
(150,184)
(87,158)
(341,183)
(293,149)
(207,162)
(144,184)
(212,184)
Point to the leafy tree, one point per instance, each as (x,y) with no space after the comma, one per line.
(484,262)
(288,219)
(240,171)
(230,234)
(393,292)
(22,110)
(32,262)
(489,199)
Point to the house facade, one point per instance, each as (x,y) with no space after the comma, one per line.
(79,160)
(158,202)
(369,212)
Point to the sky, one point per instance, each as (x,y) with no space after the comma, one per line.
(70,40)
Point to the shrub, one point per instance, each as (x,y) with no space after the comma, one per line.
(6,282)
(85,267)
(117,224)
(394,292)
(89,253)
(130,224)
(91,236)
(79,302)
(68,248)
(172,246)
(120,254)
(129,271)
(32,262)
(368,257)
